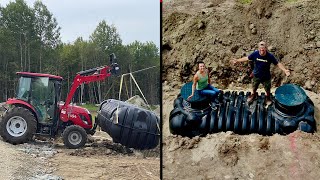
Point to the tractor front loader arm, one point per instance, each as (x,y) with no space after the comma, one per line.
(87,76)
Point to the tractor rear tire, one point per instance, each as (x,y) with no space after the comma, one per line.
(74,137)
(18,125)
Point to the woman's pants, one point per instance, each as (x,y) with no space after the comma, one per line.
(209,91)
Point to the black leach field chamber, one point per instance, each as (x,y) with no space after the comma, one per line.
(291,109)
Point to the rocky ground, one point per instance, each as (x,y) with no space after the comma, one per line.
(215,32)
(99,159)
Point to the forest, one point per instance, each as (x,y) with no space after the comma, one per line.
(30,41)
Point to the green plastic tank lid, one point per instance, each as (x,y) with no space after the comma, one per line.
(186,91)
(290,95)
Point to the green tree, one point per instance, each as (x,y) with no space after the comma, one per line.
(18,18)
(30,41)
(146,55)
(106,37)
(46,28)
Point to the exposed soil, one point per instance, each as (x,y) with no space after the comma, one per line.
(103,159)
(99,159)
(215,32)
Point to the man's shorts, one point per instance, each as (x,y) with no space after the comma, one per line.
(266,83)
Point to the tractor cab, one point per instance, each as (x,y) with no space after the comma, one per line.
(41,93)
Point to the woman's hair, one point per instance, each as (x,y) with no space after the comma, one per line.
(200,62)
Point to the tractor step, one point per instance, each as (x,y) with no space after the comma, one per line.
(44,131)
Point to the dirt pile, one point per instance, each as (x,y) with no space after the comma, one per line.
(215,32)
(138,101)
(106,147)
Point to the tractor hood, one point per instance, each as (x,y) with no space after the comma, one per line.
(76,114)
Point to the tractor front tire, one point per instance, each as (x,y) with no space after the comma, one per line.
(18,125)
(74,137)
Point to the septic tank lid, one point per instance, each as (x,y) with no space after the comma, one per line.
(290,95)
(186,91)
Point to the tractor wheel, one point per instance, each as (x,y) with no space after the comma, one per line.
(18,125)
(74,137)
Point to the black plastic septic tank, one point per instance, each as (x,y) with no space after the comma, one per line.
(129,125)
(292,109)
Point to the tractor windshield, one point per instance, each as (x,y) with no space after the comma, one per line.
(24,89)
(39,88)
(39,96)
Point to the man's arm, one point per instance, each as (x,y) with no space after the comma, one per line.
(286,71)
(244,59)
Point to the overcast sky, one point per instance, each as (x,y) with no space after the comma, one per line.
(134,19)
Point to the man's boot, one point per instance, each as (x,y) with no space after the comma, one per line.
(268,99)
(252,97)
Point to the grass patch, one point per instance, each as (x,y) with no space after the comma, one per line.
(245,1)
(292,1)
(93,110)
(91,107)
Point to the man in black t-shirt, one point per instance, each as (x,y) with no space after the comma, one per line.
(262,60)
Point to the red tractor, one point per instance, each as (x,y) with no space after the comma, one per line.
(36,109)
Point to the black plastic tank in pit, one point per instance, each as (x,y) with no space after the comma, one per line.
(291,109)
(129,125)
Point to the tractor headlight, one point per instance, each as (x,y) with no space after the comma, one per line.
(84,119)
